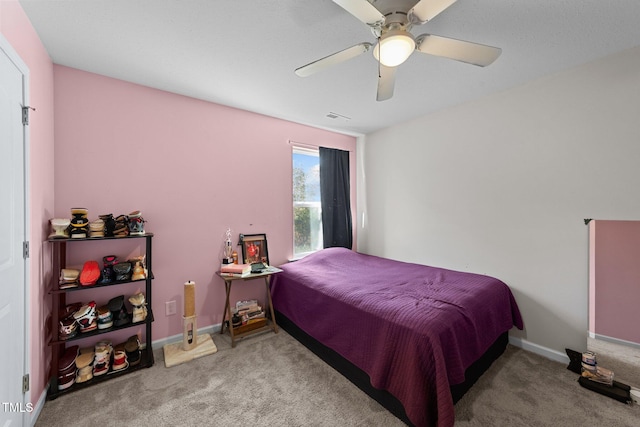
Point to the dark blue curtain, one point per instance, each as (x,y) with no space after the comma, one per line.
(335,198)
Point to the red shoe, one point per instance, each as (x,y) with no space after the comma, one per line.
(90,273)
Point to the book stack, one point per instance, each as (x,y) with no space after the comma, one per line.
(250,314)
(235,270)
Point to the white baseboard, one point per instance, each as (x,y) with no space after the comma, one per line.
(177,338)
(518,342)
(617,341)
(37,408)
(538,349)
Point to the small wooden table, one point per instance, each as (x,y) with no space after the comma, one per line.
(271,323)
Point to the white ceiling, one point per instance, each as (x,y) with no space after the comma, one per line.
(242,53)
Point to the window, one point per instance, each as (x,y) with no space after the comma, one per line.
(307,213)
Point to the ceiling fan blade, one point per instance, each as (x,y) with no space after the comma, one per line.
(386,82)
(363,10)
(426,10)
(460,50)
(333,59)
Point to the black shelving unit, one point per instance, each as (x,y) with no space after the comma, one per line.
(58,296)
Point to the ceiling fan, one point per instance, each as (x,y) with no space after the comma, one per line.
(396,43)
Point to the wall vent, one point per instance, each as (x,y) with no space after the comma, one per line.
(333,115)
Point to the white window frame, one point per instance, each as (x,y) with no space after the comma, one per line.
(309,204)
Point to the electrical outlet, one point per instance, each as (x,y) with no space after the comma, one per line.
(170,308)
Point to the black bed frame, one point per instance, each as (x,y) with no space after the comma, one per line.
(361,379)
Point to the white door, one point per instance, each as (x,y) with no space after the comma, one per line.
(12,236)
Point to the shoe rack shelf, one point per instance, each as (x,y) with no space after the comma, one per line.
(58,296)
(83,335)
(97,285)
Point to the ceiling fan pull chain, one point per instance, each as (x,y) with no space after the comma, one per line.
(379,56)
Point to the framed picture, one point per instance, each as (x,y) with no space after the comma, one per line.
(254,248)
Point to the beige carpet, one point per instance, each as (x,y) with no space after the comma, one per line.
(624,361)
(272,380)
(524,389)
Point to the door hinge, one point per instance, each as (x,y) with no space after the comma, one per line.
(25,250)
(25,115)
(25,383)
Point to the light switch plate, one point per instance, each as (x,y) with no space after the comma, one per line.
(170,308)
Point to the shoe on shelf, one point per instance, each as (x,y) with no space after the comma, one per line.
(120,361)
(67,379)
(108,262)
(90,273)
(139,307)
(109,224)
(136,223)
(67,368)
(68,328)
(84,363)
(96,228)
(105,318)
(121,226)
(84,374)
(118,311)
(132,349)
(86,317)
(79,223)
(102,358)
(68,278)
(122,271)
(138,272)
(60,228)
(107,276)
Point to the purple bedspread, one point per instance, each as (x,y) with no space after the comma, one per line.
(413,329)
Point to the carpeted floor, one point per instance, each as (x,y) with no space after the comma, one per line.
(524,389)
(623,360)
(272,380)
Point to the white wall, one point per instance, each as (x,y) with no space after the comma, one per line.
(501,185)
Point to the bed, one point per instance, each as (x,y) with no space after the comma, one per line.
(412,336)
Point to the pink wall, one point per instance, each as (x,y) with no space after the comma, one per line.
(16,28)
(616,279)
(121,147)
(193,168)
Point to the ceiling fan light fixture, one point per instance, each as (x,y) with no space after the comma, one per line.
(394,48)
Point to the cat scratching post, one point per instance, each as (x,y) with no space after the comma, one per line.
(190,331)
(192,345)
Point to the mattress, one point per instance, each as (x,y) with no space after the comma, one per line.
(413,329)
